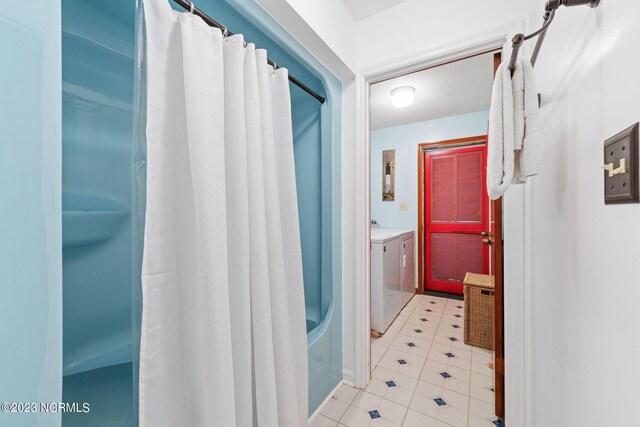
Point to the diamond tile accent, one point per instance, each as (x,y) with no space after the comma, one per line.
(397,389)
(439,401)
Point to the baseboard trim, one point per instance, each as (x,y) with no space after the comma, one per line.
(349,383)
(317,412)
(348,377)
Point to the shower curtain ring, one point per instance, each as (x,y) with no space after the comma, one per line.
(225,32)
(192,7)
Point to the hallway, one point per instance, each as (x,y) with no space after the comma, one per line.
(423,375)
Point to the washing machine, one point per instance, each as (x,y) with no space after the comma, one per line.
(392,273)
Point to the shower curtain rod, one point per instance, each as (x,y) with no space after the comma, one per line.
(550,13)
(206,18)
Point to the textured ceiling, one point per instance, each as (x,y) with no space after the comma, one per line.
(448,90)
(361,9)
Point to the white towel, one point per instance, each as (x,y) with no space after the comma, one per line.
(527,157)
(514,139)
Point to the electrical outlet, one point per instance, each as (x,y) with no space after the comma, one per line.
(621,167)
(403,206)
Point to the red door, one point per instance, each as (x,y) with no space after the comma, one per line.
(456,216)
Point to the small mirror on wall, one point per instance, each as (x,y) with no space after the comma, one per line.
(388,175)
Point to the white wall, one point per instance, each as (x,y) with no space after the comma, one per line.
(325,28)
(585,273)
(405,139)
(415,26)
(584,269)
(333,22)
(404,30)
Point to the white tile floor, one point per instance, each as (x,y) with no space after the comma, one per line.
(408,381)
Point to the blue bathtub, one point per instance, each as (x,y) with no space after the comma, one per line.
(102,208)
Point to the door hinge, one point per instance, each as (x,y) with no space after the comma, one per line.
(499,365)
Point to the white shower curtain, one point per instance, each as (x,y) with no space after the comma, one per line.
(223,339)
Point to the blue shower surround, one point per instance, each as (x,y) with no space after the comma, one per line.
(101,256)
(30,212)
(97,139)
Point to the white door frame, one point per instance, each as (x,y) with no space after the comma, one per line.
(517,236)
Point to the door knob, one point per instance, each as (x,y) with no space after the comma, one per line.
(487,241)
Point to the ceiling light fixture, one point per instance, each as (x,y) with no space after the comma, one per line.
(402,96)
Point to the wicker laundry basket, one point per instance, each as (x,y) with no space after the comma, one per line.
(479,325)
